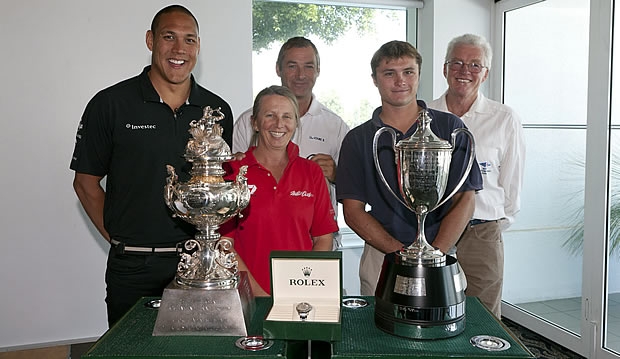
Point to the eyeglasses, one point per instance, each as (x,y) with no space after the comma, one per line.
(457,65)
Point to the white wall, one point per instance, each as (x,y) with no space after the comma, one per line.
(56,56)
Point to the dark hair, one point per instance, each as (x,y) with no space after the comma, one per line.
(273,90)
(169,9)
(394,50)
(297,42)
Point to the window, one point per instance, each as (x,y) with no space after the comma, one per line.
(344,85)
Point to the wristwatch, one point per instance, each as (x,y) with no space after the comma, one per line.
(303,309)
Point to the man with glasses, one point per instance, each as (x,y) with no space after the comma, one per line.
(500,152)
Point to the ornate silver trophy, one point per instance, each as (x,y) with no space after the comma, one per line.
(420,293)
(209,296)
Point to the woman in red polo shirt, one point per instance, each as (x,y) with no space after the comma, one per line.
(289,205)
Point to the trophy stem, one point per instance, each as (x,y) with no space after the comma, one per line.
(420,252)
(208,233)
(207,261)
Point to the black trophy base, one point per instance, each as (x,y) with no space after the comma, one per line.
(420,302)
(198,311)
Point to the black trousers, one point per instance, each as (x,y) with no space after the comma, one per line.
(131,276)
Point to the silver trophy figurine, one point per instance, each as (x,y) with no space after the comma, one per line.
(209,296)
(420,293)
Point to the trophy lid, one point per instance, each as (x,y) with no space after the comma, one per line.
(423,138)
(207,143)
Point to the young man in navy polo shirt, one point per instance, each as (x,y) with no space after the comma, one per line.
(389,226)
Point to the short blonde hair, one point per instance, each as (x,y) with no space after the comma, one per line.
(278,91)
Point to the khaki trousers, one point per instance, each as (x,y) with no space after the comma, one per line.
(480,252)
(370,269)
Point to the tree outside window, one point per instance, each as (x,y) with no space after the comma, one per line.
(346,38)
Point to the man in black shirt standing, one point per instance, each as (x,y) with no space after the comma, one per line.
(129,132)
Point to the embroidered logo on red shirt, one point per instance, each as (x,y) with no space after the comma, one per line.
(301,194)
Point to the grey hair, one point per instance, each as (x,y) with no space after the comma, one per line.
(473,40)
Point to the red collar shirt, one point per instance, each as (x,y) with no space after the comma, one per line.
(282,215)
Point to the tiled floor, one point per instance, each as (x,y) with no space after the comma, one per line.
(567,313)
(57,352)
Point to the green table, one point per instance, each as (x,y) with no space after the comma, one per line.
(362,339)
(132,338)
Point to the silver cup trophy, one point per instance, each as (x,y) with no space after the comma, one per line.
(420,293)
(209,296)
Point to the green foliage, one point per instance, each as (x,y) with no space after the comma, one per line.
(279,21)
(332,101)
(574,241)
(362,114)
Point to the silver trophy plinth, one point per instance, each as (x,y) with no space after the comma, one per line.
(209,296)
(420,293)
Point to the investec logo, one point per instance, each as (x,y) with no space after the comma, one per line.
(140,127)
(306,281)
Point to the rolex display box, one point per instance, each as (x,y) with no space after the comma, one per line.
(306,288)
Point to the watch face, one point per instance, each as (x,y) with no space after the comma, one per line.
(303,308)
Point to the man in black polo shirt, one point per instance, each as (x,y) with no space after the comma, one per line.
(129,132)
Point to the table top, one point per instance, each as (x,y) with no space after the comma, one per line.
(132,338)
(362,339)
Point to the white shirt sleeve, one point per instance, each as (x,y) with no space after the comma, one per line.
(511,173)
(242,132)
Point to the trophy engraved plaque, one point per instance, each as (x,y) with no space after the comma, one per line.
(208,296)
(420,292)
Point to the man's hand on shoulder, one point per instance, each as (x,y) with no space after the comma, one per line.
(328,165)
(239,156)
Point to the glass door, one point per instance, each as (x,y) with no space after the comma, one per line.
(610,330)
(542,47)
(563,257)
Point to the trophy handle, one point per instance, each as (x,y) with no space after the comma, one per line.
(170,193)
(472,155)
(376,158)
